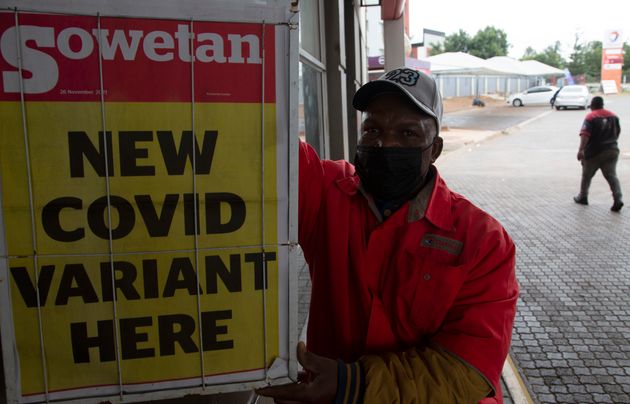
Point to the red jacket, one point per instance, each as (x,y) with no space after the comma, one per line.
(446,277)
(602,129)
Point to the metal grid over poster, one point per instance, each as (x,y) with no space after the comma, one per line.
(147,210)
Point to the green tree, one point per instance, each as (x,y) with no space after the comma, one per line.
(586,58)
(576,60)
(593,61)
(457,42)
(486,43)
(489,42)
(436,49)
(550,55)
(530,54)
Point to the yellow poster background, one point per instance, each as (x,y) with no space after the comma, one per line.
(245,328)
(236,169)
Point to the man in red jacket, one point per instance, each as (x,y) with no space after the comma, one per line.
(599,151)
(413,287)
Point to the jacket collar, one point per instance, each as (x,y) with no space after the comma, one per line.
(433,202)
(438,210)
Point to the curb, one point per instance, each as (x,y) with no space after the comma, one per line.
(515,384)
(492,135)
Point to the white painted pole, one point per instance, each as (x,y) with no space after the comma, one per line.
(394,39)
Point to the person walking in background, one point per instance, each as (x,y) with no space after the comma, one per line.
(599,151)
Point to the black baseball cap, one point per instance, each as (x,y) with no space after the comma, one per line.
(419,87)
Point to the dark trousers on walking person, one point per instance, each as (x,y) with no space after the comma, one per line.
(606,161)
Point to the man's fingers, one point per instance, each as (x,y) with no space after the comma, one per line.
(294,393)
(301,355)
(304,376)
(308,360)
(321,386)
(287,392)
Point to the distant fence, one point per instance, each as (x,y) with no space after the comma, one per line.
(463,86)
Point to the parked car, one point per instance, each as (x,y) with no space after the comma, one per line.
(533,96)
(574,96)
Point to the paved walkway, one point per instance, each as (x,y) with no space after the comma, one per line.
(572,332)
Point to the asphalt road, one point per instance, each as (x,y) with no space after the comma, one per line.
(492,117)
(571,337)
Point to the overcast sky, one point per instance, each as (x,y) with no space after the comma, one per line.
(535,23)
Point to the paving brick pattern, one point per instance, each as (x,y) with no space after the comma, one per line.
(572,332)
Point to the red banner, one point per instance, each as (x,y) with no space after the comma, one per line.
(142,60)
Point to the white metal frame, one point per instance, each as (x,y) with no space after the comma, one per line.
(278,14)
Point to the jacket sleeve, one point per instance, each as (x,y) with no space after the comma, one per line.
(618,127)
(464,359)
(311,181)
(418,376)
(315,178)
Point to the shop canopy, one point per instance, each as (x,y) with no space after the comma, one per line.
(523,68)
(463,63)
(537,68)
(508,64)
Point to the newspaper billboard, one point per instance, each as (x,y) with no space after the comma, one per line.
(146,202)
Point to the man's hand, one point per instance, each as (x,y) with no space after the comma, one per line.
(580,155)
(320,385)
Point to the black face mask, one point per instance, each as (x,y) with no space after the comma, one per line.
(390,173)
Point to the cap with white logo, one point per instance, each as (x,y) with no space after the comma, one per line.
(419,87)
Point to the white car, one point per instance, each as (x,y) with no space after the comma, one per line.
(576,96)
(539,95)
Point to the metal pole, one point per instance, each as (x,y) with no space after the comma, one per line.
(262,202)
(18,42)
(109,207)
(196,214)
